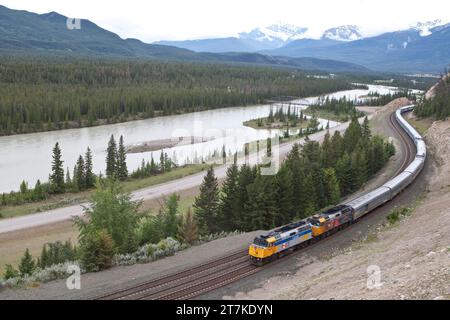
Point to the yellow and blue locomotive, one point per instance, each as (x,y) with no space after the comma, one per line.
(281,241)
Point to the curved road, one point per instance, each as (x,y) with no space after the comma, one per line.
(153,192)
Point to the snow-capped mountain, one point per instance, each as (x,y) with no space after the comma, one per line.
(425,28)
(343,33)
(275,35)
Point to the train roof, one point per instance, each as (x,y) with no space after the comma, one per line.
(335,209)
(364,199)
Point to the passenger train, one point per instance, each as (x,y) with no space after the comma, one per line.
(286,239)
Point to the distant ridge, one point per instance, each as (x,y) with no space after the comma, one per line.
(26,33)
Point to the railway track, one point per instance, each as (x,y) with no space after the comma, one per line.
(223,271)
(406,141)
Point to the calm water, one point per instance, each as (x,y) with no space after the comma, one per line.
(29,156)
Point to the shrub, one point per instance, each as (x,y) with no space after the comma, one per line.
(56,253)
(397,214)
(10,272)
(97,251)
(27,264)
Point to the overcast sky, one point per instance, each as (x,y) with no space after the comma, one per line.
(192,19)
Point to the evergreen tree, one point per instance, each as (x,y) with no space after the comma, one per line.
(228,200)
(207,203)
(162,163)
(68,178)
(88,167)
(170,214)
(331,183)
(188,229)
(344,174)
(57,175)
(111,159)
(44,260)
(285,196)
(327,152)
(24,187)
(245,178)
(122,170)
(97,251)
(27,264)
(366,134)
(261,206)
(80,174)
(352,135)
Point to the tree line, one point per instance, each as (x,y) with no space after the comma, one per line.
(342,108)
(376,99)
(82,176)
(438,106)
(43,95)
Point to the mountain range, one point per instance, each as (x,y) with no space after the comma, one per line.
(423,48)
(26,33)
(265,38)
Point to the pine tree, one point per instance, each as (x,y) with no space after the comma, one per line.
(80,174)
(97,250)
(170,214)
(188,229)
(228,200)
(261,206)
(122,170)
(352,135)
(44,260)
(366,134)
(111,159)
(285,196)
(24,187)
(68,178)
(88,168)
(245,178)
(162,164)
(327,152)
(331,183)
(344,174)
(57,175)
(207,203)
(27,264)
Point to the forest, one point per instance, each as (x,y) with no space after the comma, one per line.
(314,176)
(39,95)
(439,106)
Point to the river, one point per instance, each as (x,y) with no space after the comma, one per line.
(28,156)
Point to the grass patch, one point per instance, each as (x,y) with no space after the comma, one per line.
(322,114)
(68,199)
(263,123)
(177,173)
(398,213)
(421,125)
